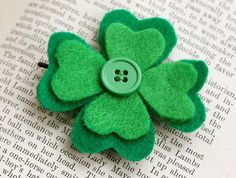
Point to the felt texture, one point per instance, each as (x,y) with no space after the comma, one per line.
(87,141)
(200,116)
(144,47)
(165,88)
(122,123)
(78,74)
(125,116)
(45,95)
(128,19)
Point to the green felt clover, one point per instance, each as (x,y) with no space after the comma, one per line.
(122,122)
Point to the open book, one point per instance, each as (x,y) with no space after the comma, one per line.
(35,142)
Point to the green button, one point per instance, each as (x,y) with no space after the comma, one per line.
(121,76)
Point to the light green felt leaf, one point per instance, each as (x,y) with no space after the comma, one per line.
(165,89)
(126,116)
(87,141)
(45,94)
(144,47)
(78,74)
(127,18)
(200,115)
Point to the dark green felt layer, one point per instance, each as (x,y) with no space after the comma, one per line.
(87,141)
(45,94)
(128,19)
(165,88)
(78,73)
(125,116)
(200,115)
(144,47)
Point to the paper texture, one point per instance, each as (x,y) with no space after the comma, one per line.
(35,142)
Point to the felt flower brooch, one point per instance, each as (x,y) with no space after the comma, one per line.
(118,88)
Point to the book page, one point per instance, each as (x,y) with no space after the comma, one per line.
(35,142)
(9,13)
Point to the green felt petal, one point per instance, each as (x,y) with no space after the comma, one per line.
(128,19)
(196,121)
(200,115)
(45,94)
(126,116)
(78,74)
(87,141)
(144,47)
(165,88)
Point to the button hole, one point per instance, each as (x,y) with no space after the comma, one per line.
(125,79)
(125,72)
(117,78)
(117,71)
